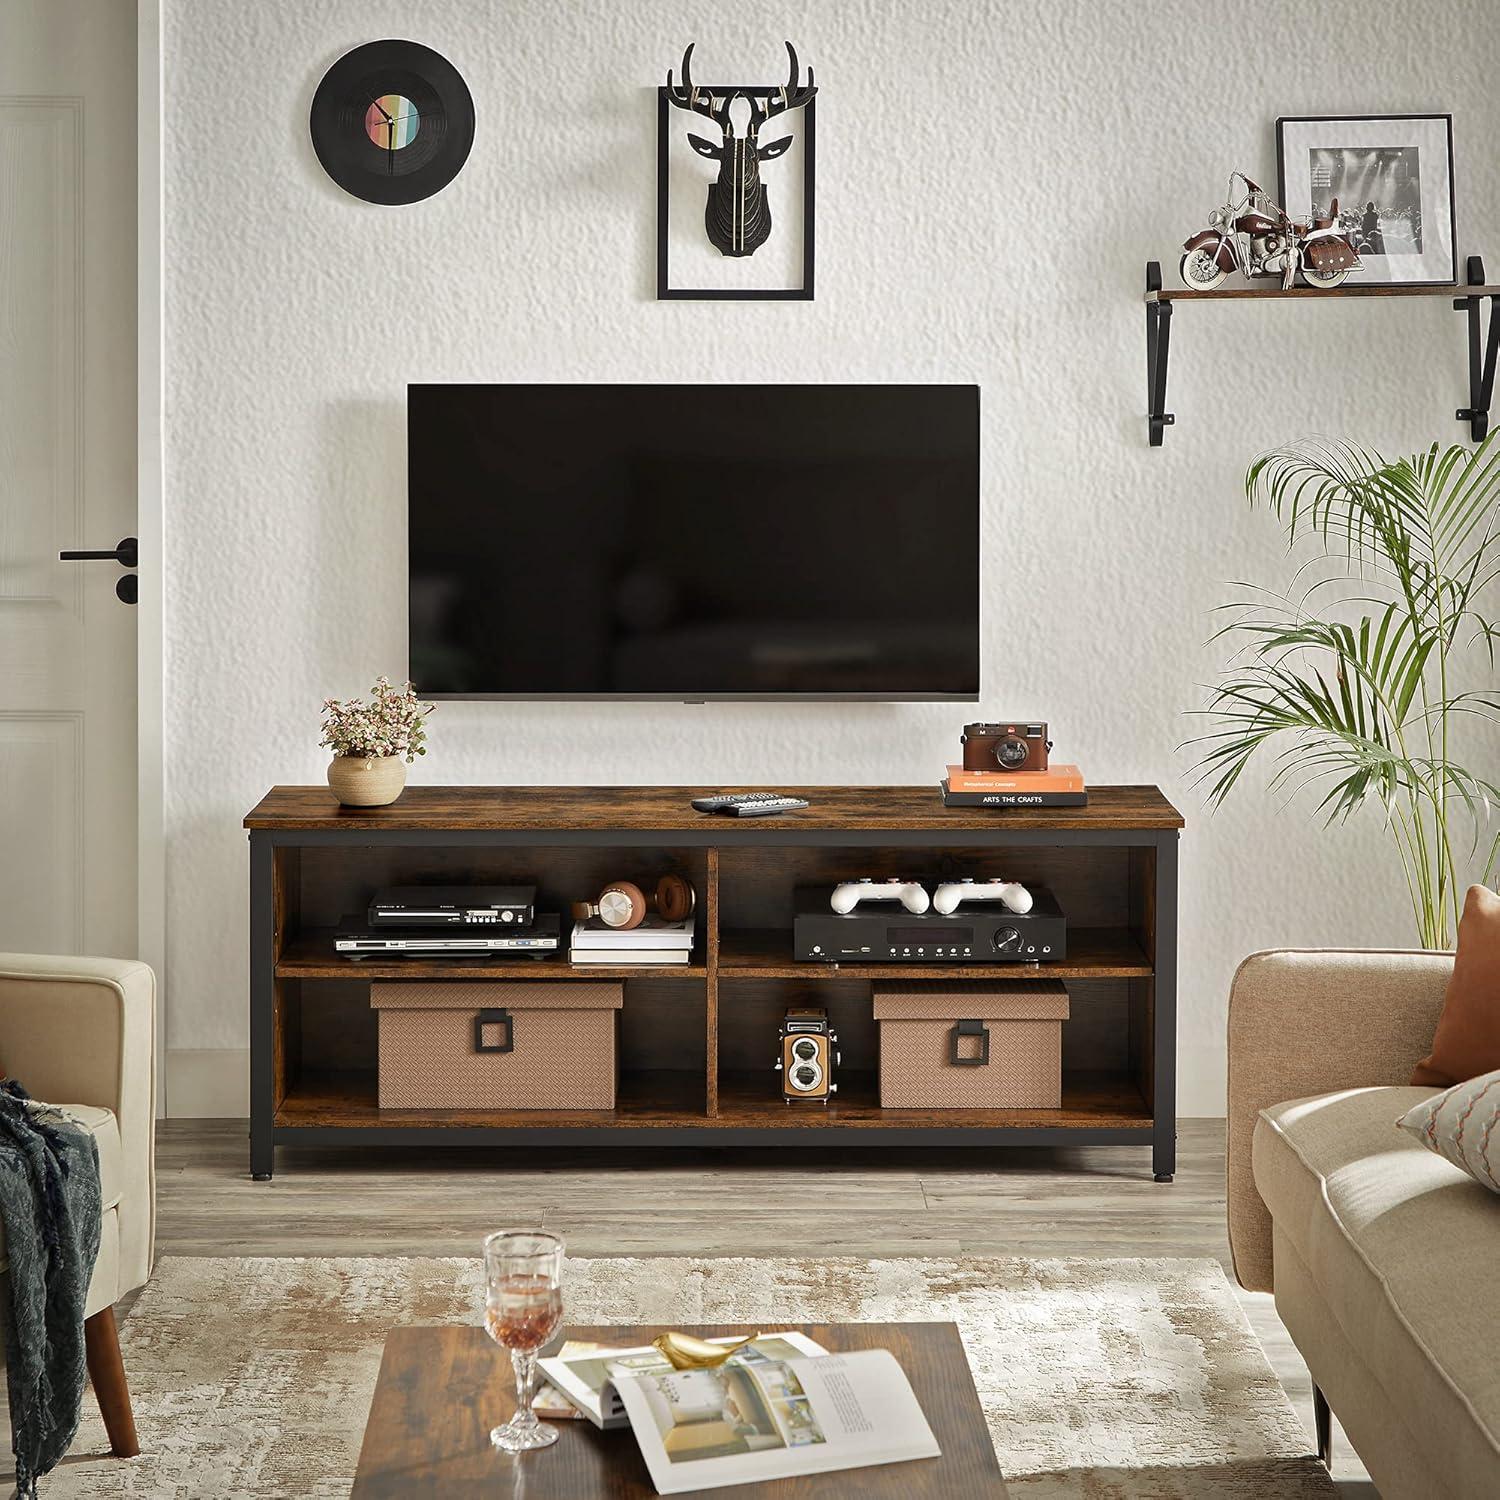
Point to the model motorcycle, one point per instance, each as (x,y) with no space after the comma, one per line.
(1253,234)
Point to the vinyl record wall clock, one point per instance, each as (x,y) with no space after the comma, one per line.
(392,122)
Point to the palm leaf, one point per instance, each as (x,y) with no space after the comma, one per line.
(1347,692)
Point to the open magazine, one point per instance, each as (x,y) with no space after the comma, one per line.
(585,1373)
(759,1417)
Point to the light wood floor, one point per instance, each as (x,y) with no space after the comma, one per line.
(869,1202)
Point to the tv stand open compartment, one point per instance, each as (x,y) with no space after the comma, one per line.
(697,1042)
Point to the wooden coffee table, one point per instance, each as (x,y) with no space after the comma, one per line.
(442,1389)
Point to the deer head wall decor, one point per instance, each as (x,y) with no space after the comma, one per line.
(737,217)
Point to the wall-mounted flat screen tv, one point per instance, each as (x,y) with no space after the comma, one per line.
(694,541)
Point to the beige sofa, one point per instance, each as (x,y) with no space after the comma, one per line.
(80,1032)
(1383,1257)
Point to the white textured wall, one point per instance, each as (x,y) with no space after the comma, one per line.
(991,179)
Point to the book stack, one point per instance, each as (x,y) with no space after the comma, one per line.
(1057,786)
(655,941)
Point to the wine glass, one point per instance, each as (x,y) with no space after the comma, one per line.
(522,1310)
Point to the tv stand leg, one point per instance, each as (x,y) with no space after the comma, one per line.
(1164,1152)
(1164,1012)
(262,1005)
(262,1158)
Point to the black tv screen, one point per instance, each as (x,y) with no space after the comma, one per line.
(694,542)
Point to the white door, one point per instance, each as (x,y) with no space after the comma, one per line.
(67,475)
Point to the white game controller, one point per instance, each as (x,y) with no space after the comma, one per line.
(1014,896)
(848,895)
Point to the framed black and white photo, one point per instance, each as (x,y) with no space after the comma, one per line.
(1393,178)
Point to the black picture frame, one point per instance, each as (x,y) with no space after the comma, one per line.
(1296,210)
(808,130)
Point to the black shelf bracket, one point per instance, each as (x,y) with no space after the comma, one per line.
(1158,348)
(1482,348)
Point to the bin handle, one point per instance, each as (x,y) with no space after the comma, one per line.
(503,1018)
(981,1059)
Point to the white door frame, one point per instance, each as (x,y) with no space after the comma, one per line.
(151,869)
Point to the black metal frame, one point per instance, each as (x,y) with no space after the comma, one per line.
(265,1135)
(262,1005)
(808,130)
(1164,1013)
(1484,344)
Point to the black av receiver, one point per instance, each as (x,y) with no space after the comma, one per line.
(884,933)
(452,906)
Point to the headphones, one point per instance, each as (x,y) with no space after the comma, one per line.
(623,905)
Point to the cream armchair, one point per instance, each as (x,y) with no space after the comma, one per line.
(80,1032)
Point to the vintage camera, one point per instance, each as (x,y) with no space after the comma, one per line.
(1006,747)
(809,1054)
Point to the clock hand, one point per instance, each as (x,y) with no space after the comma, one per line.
(375,104)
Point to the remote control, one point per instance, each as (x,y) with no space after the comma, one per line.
(748,804)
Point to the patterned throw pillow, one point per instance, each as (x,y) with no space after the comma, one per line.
(1461,1125)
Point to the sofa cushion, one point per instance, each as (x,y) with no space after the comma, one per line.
(1404,1248)
(106,1132)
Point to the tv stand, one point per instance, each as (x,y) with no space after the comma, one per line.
(698,1041)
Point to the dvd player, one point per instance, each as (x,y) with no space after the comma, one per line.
(353,941)
(971,935)
(452,906)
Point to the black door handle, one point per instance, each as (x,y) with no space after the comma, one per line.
(127,554)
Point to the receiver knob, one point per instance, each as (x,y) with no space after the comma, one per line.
(1007,940)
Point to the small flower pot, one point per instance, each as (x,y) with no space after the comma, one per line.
(366,781)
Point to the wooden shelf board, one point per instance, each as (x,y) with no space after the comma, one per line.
(1090,1101)
(656,1100)
(1312,293)
(667,809)
(1093,953)
(646,1098)
(310,955)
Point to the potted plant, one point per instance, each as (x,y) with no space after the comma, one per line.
(373,743)
(1366,672)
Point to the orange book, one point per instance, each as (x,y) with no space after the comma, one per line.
(1056,778)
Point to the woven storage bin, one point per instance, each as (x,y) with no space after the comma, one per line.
(561,1045)
(1007,1039)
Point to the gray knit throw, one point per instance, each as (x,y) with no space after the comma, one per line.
(49,1201)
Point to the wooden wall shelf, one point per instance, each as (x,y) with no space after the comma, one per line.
(696,1040)
(1314,293)
(1468,298)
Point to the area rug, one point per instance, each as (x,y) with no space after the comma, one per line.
(1125,1379)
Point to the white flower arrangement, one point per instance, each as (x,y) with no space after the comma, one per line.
(391,723)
